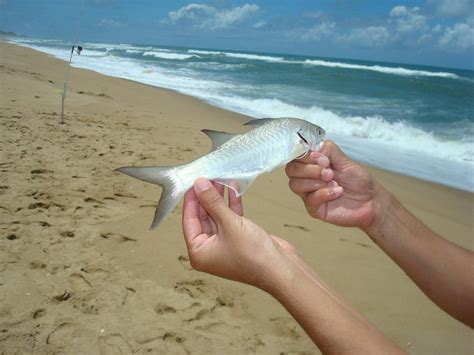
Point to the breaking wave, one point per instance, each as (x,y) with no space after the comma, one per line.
(167,55)
(373,128)
(331,64)
(381,69)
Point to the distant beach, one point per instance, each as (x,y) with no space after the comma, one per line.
(411,119)
(81,273)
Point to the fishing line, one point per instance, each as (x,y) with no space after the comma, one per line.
(68,66)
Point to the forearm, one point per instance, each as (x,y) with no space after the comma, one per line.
(333,325)
(441,269)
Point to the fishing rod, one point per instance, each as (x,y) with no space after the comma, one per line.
(78,50)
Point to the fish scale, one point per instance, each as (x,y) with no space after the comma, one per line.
(235,161)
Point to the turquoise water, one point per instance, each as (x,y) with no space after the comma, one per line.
(416,120)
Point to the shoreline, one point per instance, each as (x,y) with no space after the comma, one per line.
(367,151)
(81,272)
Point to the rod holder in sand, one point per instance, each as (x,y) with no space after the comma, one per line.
(78,51)
(63,94)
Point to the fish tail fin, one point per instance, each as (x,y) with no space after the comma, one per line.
(164,177)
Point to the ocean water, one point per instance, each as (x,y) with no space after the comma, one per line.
(415,120)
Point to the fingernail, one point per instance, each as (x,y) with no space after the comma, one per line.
(338,190)
(327,174)
(332,183)
(201,185)
(323,161)
(315,155)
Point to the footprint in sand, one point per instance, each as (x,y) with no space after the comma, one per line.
(61,332)
(363,245)
(95,203)
(12,237)
(172,337)
(286,327)
(39,313)
(164,309)
(191,287)
(79,283)
(129,292)
(169,343)
(296,227)
(35,264)
(114,344)
(117,238)
(184,260)
(67,234)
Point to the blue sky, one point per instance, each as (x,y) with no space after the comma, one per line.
(431,32)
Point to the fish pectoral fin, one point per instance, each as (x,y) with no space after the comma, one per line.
(218,138)
(238,185)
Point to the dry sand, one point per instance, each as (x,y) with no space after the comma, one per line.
(81,273)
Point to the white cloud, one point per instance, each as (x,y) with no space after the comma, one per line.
(458,37)
(408,20)
(399,11)
(372,36)
(319,31)
(452,8)
(191,12)
(210,17)
(402,25)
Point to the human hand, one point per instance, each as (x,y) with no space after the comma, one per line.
(335,189)
(223,243)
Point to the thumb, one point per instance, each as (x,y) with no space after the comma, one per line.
(210,199)
(335,154)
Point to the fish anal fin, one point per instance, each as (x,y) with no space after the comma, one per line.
(218,138)
(238,185)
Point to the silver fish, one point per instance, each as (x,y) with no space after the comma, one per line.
(235,159)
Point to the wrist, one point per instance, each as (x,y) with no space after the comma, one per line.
(278,275)
(384,204)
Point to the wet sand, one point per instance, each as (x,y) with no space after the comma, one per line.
(81,273)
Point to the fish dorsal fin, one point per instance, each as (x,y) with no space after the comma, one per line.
(238,185)
(218,138)
(265,120)
(259,121)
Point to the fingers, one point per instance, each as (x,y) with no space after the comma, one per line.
(296,169)
(208,225)
(191,222)
(302,186)
(235,203)
(219,187)
(335,155)
(314,200)
(321,159)
(210,199)
(314,157)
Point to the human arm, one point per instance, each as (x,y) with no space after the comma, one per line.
(337,190)
(223,243)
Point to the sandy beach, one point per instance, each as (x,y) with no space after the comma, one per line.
(81,273)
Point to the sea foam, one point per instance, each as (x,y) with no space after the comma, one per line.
(331,64)
(381,69)
(369,129)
